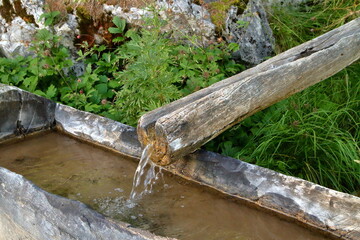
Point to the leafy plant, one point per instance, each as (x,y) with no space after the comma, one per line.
(35,74)
(119,29)
(158,71)
(51,18)
(146,70)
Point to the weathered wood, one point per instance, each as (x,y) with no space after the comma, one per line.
(183,126)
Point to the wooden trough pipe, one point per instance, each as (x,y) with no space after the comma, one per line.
(183,126)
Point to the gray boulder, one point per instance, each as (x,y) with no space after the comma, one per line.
(251,31)
(15,37)
(18,27)
(186,19)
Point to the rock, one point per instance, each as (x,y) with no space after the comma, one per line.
(184,19)
(22,112)
(18,26)
(251,31)
(16,38)
(20,20)
(68,31)
(133,16)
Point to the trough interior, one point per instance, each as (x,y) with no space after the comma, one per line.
(102,179)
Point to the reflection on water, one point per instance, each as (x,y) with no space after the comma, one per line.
(103,180)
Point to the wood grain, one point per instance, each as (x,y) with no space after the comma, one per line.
(183,126)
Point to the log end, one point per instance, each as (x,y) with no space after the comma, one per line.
(147,136)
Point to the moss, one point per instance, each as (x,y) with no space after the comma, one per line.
(218,11)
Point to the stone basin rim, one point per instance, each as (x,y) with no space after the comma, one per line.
(306,203)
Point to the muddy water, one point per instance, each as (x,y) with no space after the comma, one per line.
(103,180)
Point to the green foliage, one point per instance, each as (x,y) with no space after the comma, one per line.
(51,18)
(147,80)
(218,10)
(149,70)
(37,73)
(145,71)
(293,26)
(119,29)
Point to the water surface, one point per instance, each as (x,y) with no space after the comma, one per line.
(103,180)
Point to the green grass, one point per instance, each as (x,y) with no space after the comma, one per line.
(293,26)
(314,134)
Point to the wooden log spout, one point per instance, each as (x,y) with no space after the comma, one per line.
(183,126)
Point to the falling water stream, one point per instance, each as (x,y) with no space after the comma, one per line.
(145,178)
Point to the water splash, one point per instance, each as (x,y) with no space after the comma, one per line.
(144,178)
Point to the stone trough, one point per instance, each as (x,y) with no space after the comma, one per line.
(28,212)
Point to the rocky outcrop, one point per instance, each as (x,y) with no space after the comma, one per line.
(184,19)
(15,37)
(251,31)
(19,22)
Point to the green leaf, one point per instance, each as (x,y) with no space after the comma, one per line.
(101,88)
(50,18)
(118,39)
(40,93)
(31,82)
(110,94)
(92,107)
(133,35)
(120,23)
(51,92)
(233,47)
(114,84)
(88,69)
(114,30)
(48,21)
(43,35)
(103,79)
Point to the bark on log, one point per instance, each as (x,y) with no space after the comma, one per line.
(183,126)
